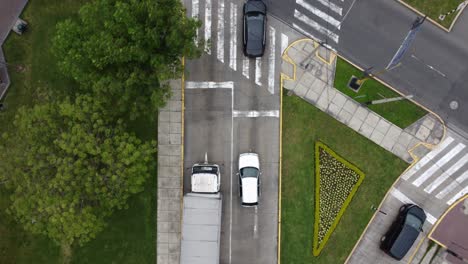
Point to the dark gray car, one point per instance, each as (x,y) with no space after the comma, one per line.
(254,33)
(404,231)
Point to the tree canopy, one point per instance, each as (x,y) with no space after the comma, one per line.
(68,167)
(125,51)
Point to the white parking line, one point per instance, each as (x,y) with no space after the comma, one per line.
(427,158)
(404,199)
(441,162)
(207,26)
(332,6)
(314,25)
(458,195)
(209,85)
(258,71)
(452,185)
(324,16)
(233,40)
(284,42)
(271,61)
(272,113)
(439,180)
(220,43)
(195,13)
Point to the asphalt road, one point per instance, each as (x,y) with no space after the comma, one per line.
(434,70)
(243,116)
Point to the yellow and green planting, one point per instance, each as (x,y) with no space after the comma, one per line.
(336,182)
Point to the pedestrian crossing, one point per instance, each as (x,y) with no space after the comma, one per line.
(319,18)
(443,172)
(221,31)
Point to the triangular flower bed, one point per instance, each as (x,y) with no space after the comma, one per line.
(336,182)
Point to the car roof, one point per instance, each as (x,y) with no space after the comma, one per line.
(418,212)
(255,6)
(404,241)
(249,190)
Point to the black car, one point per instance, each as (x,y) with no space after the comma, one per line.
(254,34)
(404,231)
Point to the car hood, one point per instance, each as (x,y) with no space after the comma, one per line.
(205,183)
(404,242)
(249,160)
(249,190)
(255,6)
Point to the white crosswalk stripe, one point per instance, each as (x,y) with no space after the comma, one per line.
(195,13)
(207,26)
(442,174)
(308,21)
(328,4)
(271,61)
(220,37)
(453,185)
(258,71)
(319,19)
(327,18)
(245,68)
(445,175)
(233,38)
(220,32)
(284,42)
(428,173)
(457,196)
(427,158)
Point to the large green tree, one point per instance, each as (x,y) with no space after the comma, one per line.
(127,50)
(68,168)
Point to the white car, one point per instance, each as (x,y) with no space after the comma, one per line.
(249,179)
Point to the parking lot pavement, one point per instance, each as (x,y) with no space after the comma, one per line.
(434,183)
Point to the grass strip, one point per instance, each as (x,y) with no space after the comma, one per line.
(401,113)
(435,8)
(303,125)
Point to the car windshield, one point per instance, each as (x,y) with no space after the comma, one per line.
(249,172)
(413,221)
(255,26)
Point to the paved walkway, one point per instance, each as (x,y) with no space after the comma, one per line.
(169,178)
(314,75)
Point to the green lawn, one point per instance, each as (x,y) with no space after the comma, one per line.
(303,125)
(130,234)
(401,113)
(435,8)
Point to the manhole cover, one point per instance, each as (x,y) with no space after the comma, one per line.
(453,105)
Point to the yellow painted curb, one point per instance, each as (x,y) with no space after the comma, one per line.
(283,76)
(317,54)
(416,250)
(422,14)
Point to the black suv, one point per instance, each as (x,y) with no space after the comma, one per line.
(404,231)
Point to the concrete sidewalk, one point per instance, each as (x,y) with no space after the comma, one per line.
(314,71)
(170,178)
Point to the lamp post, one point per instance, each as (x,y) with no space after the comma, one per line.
(355,83)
